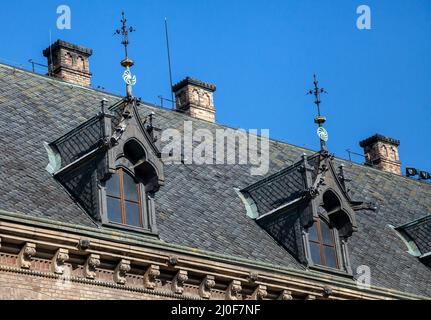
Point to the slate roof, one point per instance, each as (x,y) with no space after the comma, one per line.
(198,206)
(420,232)
(281,187)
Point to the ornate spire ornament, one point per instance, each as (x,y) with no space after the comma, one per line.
(128,78)
(319,119)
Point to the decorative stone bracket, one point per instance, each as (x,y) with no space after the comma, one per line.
(206,285)
(233,291)
(285,295)
(178,282)
(57,263)
(150,276)
(259,293)
(26,254)
(93,261)
(121,271)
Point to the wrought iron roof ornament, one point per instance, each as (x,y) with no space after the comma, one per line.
(128,78)
(319,119)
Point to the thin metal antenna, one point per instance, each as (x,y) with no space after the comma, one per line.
(169,62)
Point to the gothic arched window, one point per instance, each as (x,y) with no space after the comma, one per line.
(124,199)
(323,249)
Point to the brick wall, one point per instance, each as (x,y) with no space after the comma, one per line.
(26,286)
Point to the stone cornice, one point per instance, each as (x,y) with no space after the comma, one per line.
(379,137)
(143,251)
(108,284)
(63,44)
(195,82)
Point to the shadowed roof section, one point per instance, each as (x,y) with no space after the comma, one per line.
(198,206)
(420,232)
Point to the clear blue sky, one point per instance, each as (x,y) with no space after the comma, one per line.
(261,55)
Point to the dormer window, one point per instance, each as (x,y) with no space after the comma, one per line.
(124,199)
(112,167)
(307,209)
(323,249)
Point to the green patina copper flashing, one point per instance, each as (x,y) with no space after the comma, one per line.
(54,159)
(250,205)
(415,222)
(134,239)
(410,244)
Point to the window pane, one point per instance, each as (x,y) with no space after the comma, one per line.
(132,214)
(114,210)
(130,188)
(326,233)
(113,186)
(315,253)
(312,233)
(330,257)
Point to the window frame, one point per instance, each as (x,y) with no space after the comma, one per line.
(121,172)
(147,209)
(322,245)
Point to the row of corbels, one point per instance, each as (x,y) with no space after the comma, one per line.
(233,291)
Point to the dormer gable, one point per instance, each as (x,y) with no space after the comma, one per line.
(110,165)
(307,206)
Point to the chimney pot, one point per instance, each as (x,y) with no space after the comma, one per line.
(195,98)
(381,152)
(69,62)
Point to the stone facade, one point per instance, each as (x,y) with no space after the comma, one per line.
(118,266)
(382,153)
(195,98)
(69,62)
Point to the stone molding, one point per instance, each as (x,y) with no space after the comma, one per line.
(90,267)
(26,254)
(205,287)
(57,263)
(234,275)
(123,267)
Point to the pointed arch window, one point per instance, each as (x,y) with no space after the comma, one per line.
(322,242)
(124,199)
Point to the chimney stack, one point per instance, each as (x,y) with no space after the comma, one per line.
(382,153)
(69,62)
(195,98)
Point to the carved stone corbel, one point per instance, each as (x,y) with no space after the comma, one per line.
(205,288)
(150,276)
(178,282)
(285,295)
(233,291)
(121,271)
(93,261)
(259,293)
(57,263)
(327,292)
(26,254)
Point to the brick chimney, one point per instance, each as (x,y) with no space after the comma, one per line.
(69,62)
(382,153)
(195,98)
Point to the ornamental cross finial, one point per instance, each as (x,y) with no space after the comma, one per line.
(319,120)
(124,31)
(128,78)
